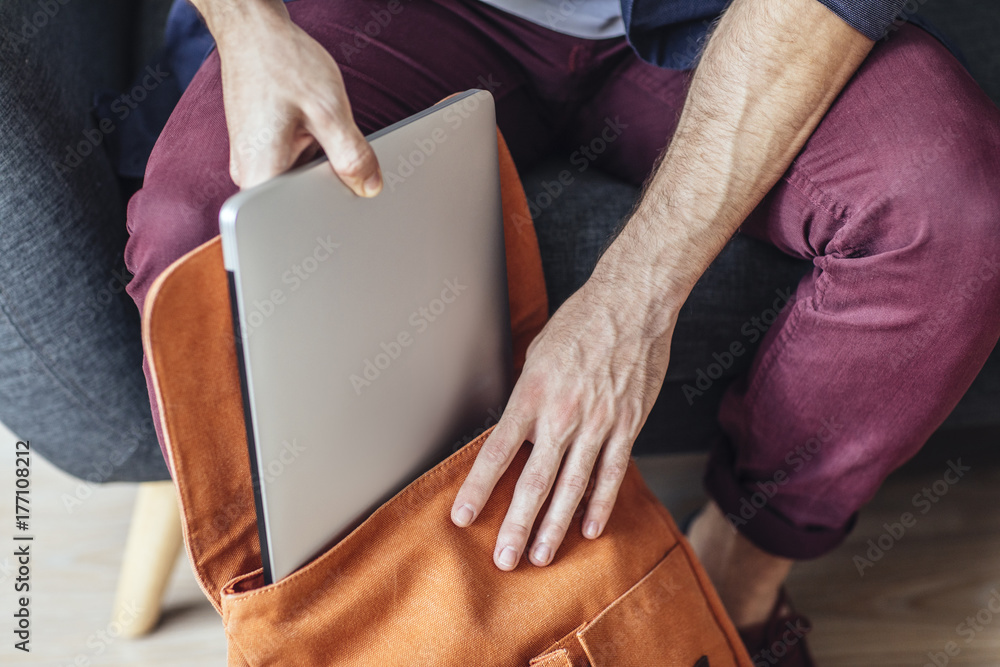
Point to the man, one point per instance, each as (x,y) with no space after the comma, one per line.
(877,163)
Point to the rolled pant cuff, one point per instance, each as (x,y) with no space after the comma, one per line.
(764,526)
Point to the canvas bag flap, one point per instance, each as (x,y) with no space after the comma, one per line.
(408,587)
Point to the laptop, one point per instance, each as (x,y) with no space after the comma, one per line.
(372,334)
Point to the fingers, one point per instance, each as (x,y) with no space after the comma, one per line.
(278,144)
(350,155)
(582,398)
(491,463)
(532,489)
(283,96)
(570,488)
(610,473)
(534,485)
(265,149)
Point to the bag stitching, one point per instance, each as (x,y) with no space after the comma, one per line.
(164,286)
(461,455)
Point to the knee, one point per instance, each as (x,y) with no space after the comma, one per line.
(944,207)
(186,182)
(930,185)
(170,216)
(960,216)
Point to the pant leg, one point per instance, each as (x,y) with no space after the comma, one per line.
(411,61)
(69,335)
(624,125)
(894,200)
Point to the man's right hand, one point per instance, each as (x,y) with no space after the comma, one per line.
(284,97)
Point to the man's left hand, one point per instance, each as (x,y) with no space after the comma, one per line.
(589,381)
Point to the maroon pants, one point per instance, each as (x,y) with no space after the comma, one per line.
(894,199)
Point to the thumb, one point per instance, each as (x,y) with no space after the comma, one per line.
(351,157)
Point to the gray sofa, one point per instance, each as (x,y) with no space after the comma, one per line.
(740,285)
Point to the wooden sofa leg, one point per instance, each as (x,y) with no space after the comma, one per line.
(154,540)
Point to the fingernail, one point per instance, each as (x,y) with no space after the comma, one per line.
(372,185)
(592,529)
(464,516)
(543,554)
(508,557)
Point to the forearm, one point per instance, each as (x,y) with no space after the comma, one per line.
(768,74)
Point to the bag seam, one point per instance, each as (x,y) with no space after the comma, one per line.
(461,455)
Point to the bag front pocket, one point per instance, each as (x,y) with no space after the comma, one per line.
(665,619)
(407,587)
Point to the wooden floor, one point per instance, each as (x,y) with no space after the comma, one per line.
(74,573)
(912,601)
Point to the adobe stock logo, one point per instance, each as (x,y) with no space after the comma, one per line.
(33,23)
(753,329)
(892,533)
(968,629)
(796,458)
(419,321)
(258,312)
(122,107)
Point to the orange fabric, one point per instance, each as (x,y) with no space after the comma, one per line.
(408,587)
(559,658)
(187,335)
(529,305)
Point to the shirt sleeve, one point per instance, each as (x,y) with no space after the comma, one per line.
(869,17)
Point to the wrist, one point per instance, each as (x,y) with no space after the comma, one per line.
(662,252)
(234,22)
(645,298)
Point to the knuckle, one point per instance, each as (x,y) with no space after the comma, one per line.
(553,531)
(518,530)
(631,414)
(532,384)
(354,159)
(601,412)
(562,423)
(576,484)
(322,111)
(534,483)
(614,469)
(601,507)
(512,422)
(494,453)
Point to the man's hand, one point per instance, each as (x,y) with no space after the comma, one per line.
(767,76)
(284,97)
(589,381)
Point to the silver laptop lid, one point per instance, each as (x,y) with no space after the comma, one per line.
(373,334)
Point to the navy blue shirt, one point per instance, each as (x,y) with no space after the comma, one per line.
(670,33)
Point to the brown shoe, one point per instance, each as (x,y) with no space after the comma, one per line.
(780,640)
